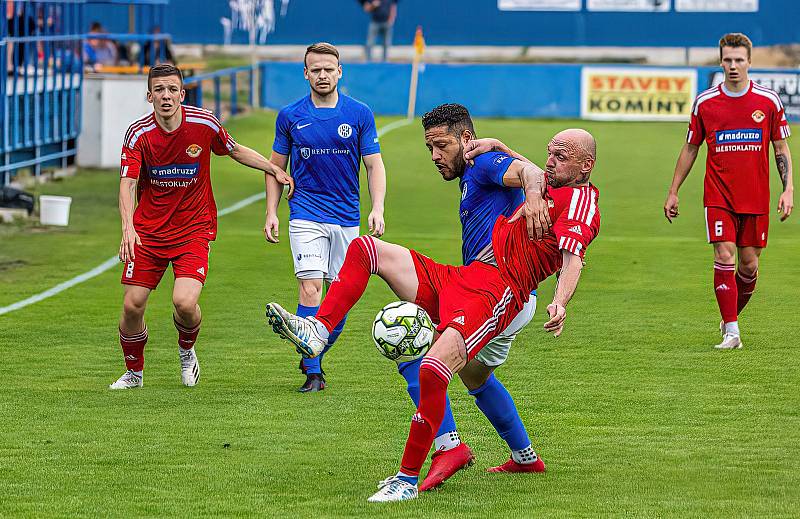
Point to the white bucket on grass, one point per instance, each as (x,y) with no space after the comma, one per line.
(54,210)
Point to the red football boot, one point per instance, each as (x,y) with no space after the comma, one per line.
(513,466)
(446,463)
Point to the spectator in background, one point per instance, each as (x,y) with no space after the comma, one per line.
(19,24)
(152,50)
(99,51)
(382,15)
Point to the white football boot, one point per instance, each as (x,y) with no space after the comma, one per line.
(394,489)
(128,380)
(190,368)
(300,331)
(730,341)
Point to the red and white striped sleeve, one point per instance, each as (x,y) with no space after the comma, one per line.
(131,156)
(579,224)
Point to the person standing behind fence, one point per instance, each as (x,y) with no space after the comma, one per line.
(382,16)
(327,134)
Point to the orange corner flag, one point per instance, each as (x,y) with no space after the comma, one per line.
(419,42)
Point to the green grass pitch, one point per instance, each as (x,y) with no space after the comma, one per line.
(631,409)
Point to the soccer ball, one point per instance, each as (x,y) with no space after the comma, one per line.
(402,331)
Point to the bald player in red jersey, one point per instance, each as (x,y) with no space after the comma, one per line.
(472,303)
(737,120)
(165,167)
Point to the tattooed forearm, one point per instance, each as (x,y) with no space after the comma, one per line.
(783,168)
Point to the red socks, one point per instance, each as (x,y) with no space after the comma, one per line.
(133,349)
(186,336)
(745,287)
(360,262)
(434,376)
(725,288)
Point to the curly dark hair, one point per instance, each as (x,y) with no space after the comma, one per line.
(455,116)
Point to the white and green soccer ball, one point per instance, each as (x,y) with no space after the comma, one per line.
(402,331)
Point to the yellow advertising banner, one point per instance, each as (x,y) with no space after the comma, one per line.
(637,93)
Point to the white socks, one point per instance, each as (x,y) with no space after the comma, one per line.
(525,456)
(447,441)
(732,328)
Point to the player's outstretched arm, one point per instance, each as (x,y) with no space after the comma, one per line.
(682,168)
(127,203)
(477,147)
(274,190)
(251,158)
(567,283)
(783,159)
(535,209)
(376,180)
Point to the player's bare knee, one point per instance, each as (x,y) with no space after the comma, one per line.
(475,374)
(748,266)
(450,349)
(310,291)
(185,304)
(133,305)
(724,253)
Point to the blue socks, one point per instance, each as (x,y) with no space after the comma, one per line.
(494,401)
(410,372)
(315,365)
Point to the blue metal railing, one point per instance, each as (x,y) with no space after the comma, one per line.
(225,80)
(41,67)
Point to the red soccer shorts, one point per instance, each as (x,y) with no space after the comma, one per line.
(189,260)
(472,300)
(746,230)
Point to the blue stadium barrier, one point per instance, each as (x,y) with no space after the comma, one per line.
(481,22)
(41,90)
(516,90)
(42,64)
(497,90)
(222,81)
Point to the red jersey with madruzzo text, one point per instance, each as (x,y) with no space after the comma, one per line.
(737,130)
(524,263)
(176,203)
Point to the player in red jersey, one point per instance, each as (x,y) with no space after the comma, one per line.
(472,303)
(165,168)
(737,119)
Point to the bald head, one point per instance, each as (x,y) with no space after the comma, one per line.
(579,141)
(571,157)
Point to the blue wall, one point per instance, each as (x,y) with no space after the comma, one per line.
(501,90)
(479,22)
(517,90)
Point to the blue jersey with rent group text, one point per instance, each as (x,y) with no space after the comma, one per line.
(483,199)
(325,147)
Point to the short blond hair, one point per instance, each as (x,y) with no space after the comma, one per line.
(735,39)
(322,47)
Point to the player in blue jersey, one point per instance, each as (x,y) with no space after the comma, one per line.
(327,135)
(489,186)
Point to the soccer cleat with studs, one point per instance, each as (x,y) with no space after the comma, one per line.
(190,367)
(446,463)
(314,382)
(730,341)
(512,466)
(394,489)
(298,330)
(128,380)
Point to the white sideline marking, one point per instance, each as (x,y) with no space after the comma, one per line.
(113,261)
